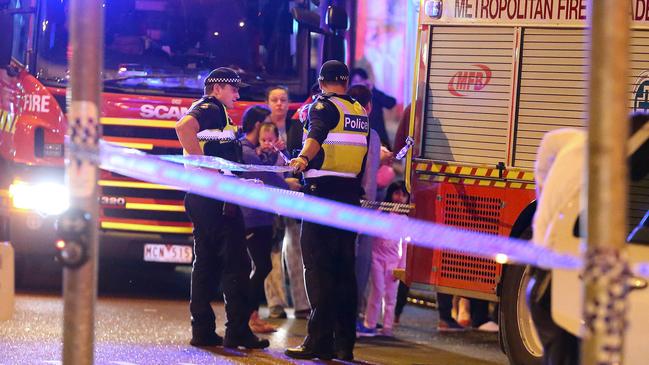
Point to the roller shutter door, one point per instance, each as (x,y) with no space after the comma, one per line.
(468,94)
(639,100)
(639,72)
(553,87)
(553,93)
(638,201)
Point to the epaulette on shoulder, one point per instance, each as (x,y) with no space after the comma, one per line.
(207,102)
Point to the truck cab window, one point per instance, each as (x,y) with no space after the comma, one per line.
(21,32)
(169,46)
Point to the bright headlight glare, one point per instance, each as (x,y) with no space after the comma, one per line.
(46,198)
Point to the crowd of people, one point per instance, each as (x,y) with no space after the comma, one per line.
(342,284)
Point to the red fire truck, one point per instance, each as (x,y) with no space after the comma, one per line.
(492,77)
(157,52)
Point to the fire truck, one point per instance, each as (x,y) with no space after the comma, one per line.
(156,55)
(491,78)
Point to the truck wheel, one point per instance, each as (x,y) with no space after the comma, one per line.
(518,334)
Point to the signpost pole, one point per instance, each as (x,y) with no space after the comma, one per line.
(79,224)
(606,271)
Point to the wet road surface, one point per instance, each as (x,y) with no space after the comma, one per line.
(142,318)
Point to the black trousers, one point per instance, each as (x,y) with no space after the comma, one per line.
(220,256)
(259,241)
(479,309)
(330,278)
(402,298)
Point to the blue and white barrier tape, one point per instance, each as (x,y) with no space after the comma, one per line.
(212,184)
(218,163)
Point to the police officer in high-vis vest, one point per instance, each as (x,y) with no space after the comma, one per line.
(219,245)
(332,159)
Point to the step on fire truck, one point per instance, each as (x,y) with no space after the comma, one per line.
(492,77)
(156,55)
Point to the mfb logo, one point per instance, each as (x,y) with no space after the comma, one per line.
(469,80)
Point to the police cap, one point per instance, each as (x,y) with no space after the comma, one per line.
(224,75)
(334,71)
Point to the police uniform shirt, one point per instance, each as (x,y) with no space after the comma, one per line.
(211,115)
(323,117)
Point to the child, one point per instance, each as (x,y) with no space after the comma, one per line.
(387,255)
(267,150)
(259,224)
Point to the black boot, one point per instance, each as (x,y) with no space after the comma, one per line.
(204,339)
(249,341)
(345,355)
(305,353)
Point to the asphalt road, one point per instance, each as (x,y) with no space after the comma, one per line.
(142,318)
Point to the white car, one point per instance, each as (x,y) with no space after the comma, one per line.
(567,286)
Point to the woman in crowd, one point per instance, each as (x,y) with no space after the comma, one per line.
(290,134)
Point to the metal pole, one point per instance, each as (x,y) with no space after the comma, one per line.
(80,283)
(606,270)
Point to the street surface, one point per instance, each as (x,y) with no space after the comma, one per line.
(142,318)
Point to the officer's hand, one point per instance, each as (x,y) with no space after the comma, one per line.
(293,184)
(298,164)
(386,156)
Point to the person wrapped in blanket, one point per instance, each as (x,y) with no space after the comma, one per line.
(259,147)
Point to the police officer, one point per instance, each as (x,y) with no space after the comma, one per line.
(219,246)
(332,158)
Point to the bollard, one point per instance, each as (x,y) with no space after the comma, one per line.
(6,281)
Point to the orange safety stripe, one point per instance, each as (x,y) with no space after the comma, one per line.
(172,143)
(479,182)
(148,221)
(132,203)
(120,183)
(473,171)
(132,122)
(154,201)
(145,227)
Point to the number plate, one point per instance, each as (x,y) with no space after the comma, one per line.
(168,253)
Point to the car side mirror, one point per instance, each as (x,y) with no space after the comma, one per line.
(6,38)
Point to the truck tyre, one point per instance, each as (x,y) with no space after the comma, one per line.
(518,334)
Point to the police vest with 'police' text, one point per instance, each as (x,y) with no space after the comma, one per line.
(346,144)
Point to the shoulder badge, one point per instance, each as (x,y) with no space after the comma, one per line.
(205,106)
(319,106)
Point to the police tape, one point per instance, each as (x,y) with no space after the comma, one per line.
(218,163)
(151,168)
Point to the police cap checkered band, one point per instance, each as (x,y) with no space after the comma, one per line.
(333,71)
(334,78)
(224,75)
(220,80)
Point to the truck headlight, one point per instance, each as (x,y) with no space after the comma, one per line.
(47,198)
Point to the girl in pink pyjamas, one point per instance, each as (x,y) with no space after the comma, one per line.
(387,255)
